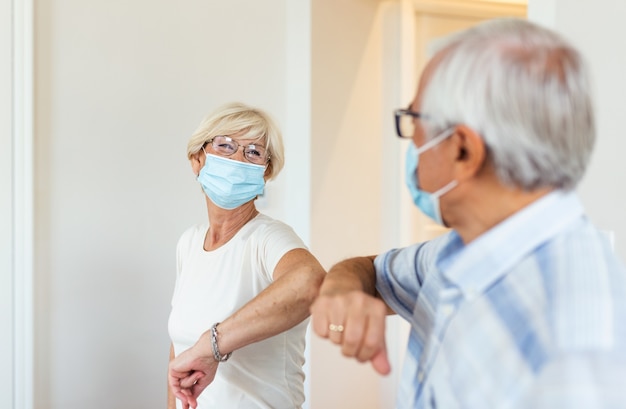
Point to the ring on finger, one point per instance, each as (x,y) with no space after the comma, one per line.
(336,327)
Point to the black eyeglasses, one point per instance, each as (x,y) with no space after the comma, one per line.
(405,122)
(227,146)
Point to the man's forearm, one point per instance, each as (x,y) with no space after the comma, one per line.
(354,274)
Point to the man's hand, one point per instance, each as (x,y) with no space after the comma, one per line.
(355,321)
(190,373)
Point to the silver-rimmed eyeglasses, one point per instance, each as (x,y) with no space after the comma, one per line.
(406,121)
(227,146)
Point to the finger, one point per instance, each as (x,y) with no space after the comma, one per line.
(183,398)
(319,320)
(335,331)
(178,391)
(380,362)
(337,313)
(374,337)
(191,380)
(174,377)
(353,335)
(361,338)
(190,399)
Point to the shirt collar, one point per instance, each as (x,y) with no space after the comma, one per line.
(474,267)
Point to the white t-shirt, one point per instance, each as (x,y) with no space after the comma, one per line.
(212,285)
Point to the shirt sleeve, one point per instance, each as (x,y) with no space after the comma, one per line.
(278,239)
(400,273)
(183,247)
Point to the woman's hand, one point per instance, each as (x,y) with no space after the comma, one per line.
(191,372)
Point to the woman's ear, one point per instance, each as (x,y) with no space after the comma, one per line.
(268,170)
(471,152)
(197,162)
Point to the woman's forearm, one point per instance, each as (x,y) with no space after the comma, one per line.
(281,306)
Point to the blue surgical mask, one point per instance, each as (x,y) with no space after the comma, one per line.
(427,202)
(230,183)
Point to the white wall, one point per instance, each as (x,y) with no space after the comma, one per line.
(597,29)
(120,88)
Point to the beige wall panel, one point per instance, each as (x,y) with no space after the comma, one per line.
(345,175)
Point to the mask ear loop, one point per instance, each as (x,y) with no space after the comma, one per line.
(205,154)
(445,189)
(446,133)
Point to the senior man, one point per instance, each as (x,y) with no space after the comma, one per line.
(523,303)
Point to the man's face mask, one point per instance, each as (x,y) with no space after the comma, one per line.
(427,202)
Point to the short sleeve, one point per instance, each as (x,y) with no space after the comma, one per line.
(276,240)
(183,247)
(400,273)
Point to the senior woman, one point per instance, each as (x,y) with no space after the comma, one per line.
(244,280)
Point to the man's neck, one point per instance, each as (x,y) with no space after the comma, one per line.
(487,207)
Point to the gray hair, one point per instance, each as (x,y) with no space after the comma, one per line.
(526,91)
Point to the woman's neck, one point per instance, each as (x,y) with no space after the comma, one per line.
(224,224)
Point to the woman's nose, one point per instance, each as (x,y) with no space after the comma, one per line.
(239,155)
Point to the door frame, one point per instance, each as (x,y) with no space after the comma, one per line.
(22,200)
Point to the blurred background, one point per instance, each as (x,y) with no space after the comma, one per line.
(97,102)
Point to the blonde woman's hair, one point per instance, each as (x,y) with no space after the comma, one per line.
(246,122)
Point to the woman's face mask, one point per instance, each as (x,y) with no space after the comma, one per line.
(230,183)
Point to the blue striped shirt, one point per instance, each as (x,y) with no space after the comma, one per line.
(531,314)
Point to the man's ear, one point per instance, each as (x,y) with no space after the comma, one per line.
(471,152)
